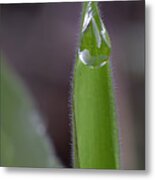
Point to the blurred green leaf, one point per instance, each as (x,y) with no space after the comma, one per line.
(95,129)
(23,136)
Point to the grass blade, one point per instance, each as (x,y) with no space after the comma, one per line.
(95,128)
(23,142)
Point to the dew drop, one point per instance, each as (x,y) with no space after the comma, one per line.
(92,61)
(95,44)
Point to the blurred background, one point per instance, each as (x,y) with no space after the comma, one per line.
(39,41)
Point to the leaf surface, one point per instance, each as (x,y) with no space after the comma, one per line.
(94,117)
(23,139)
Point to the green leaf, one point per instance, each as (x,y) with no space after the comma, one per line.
(94,119)
(23,140)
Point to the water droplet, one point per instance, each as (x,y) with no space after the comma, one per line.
(95,44)
(92,61)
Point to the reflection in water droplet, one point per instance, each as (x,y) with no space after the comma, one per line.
(88,17)
(97,33)
(105,35)
(92,61)
(93,29)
